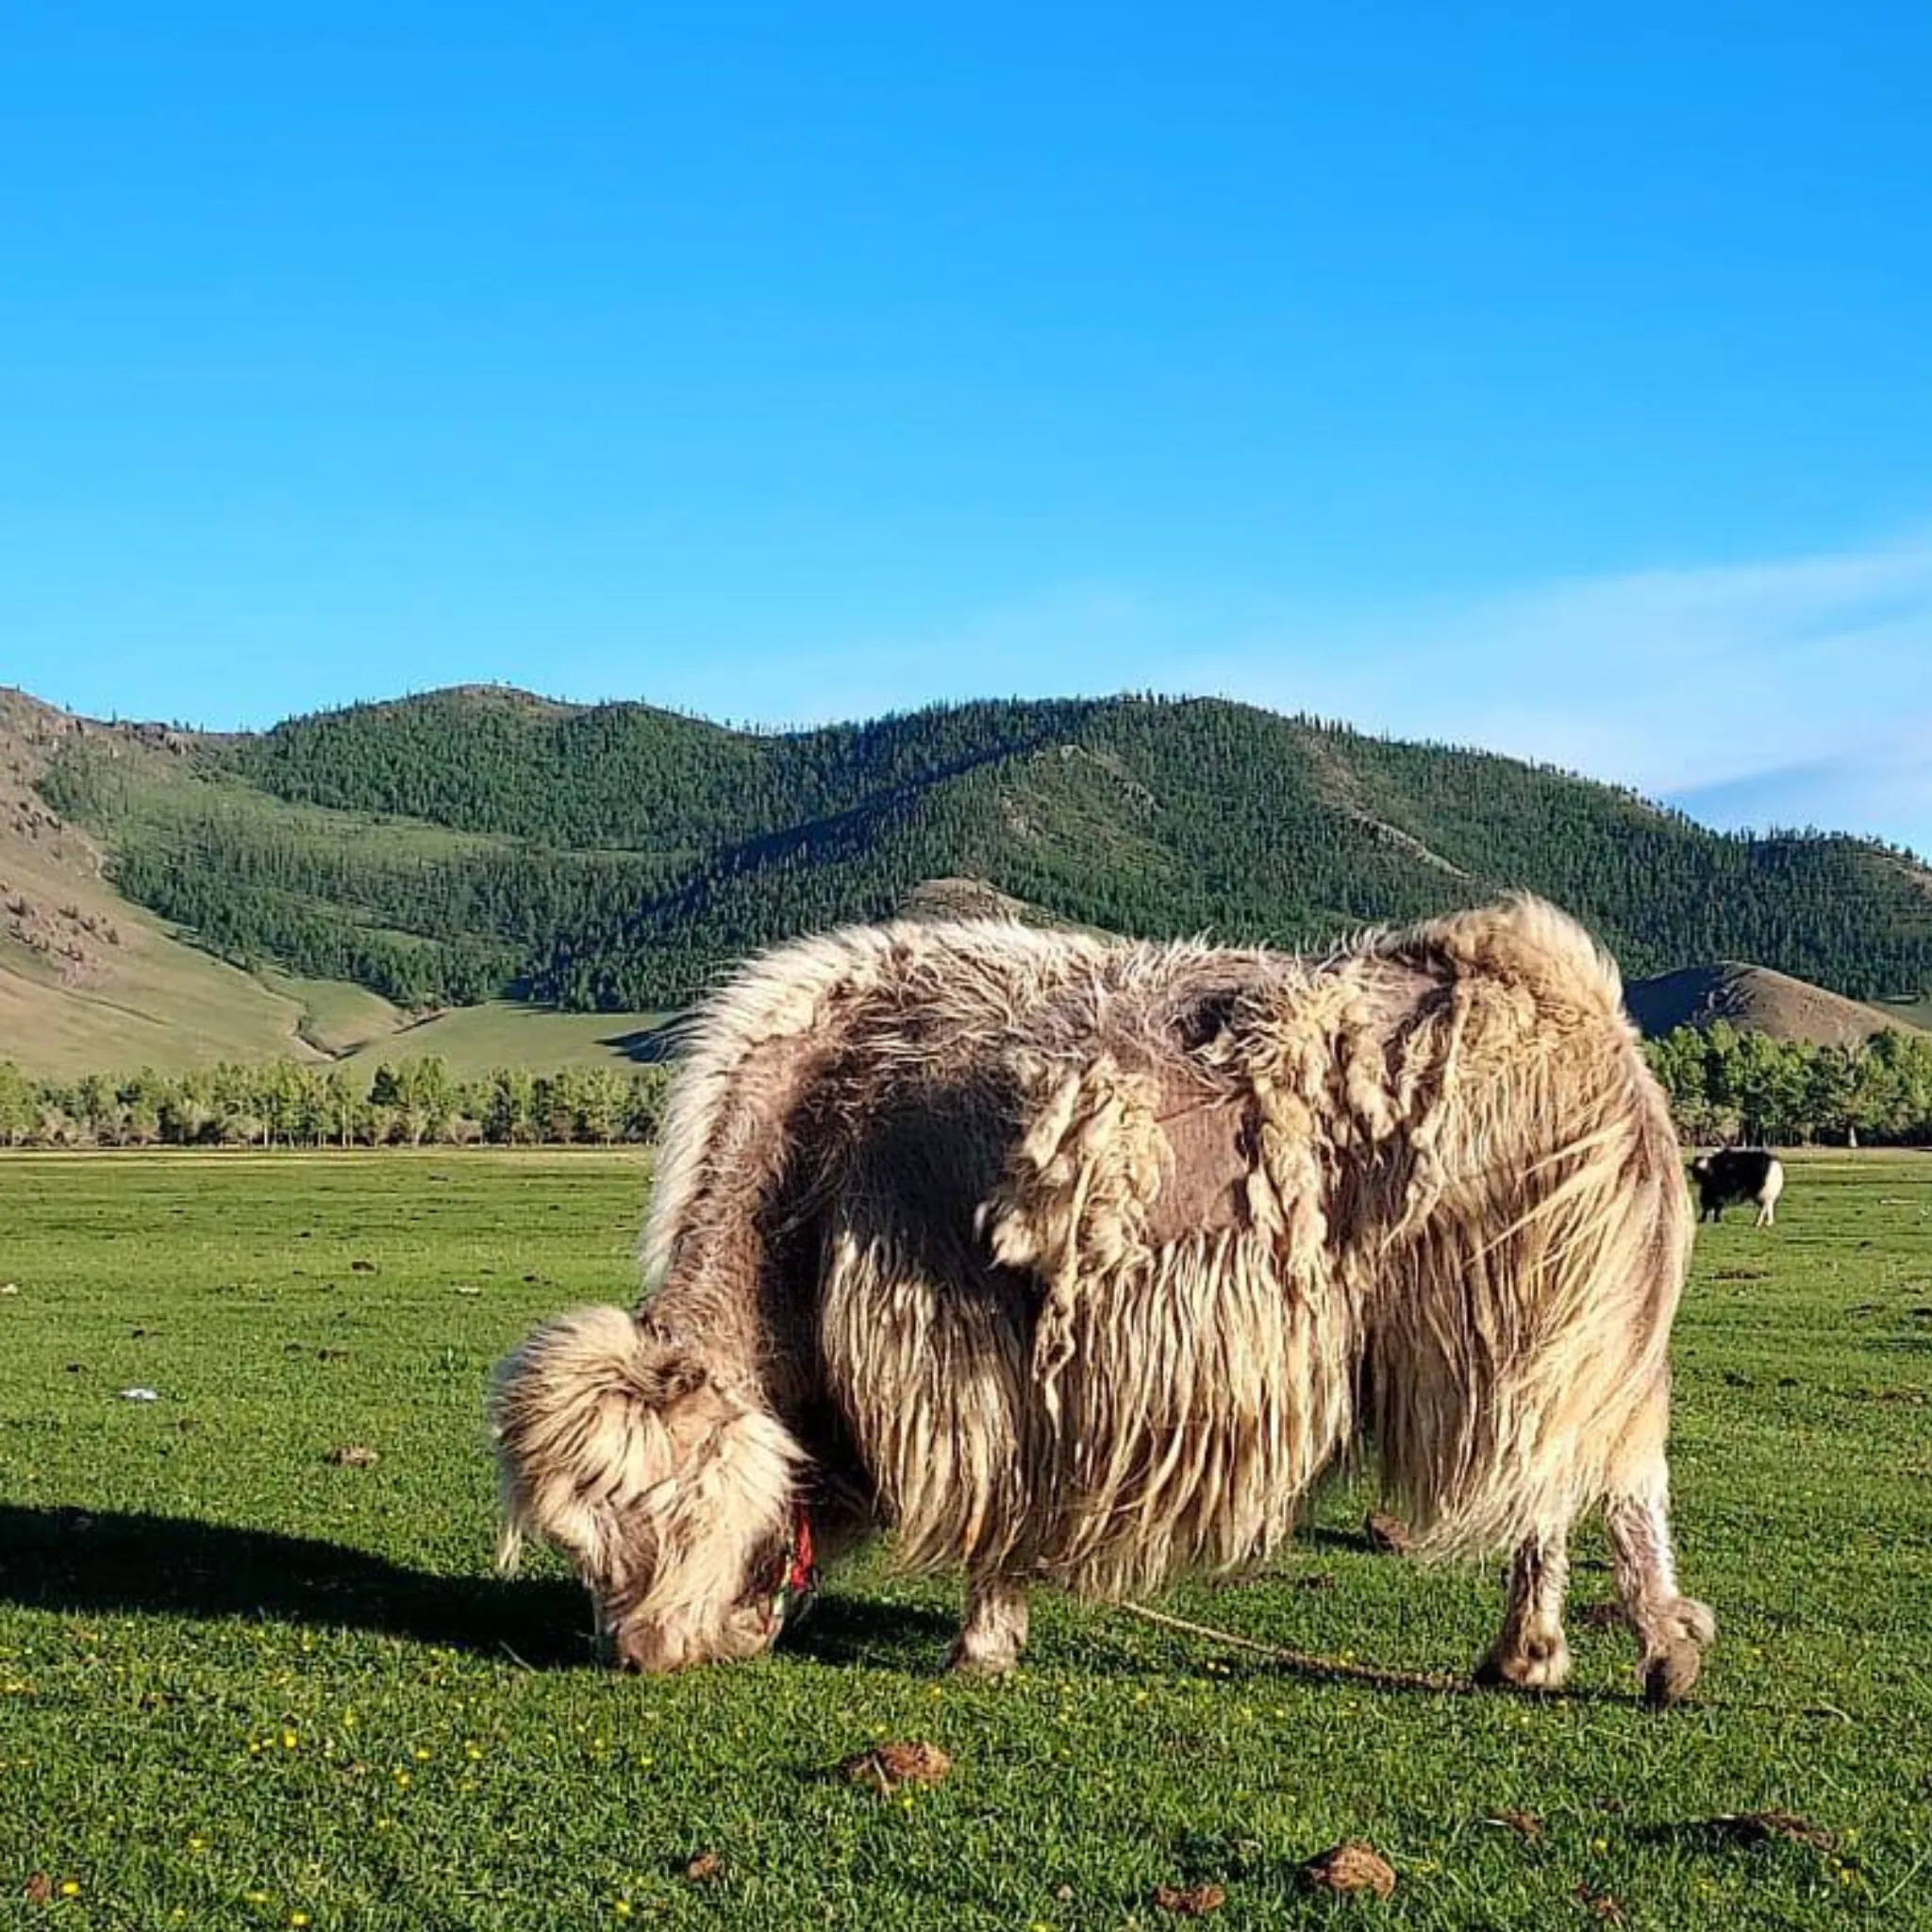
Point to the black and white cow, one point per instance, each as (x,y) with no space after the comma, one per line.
(1737,1173)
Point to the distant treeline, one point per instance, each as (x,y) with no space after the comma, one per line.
(1723,1085)
(287,1103)
(1729,1086)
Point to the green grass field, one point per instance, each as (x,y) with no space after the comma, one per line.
(243,1687)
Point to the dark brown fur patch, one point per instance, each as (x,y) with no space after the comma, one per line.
(1211,1145)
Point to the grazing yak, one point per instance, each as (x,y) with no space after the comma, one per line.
(1738,1174)
(1076,1261)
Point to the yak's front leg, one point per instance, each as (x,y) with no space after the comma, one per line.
(1532,1653)
(994,1633)
(1674,1629)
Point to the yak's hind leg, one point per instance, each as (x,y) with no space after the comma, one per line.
(1531,1653)
(1672,1629)
(994,1633)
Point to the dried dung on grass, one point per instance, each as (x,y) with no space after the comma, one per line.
(1351,1866)
(1765,1827)
(886,1767)
(353,1456)
(703,1868)
(1190,1901)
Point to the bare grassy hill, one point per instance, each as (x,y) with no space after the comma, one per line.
(86,979)
(1756,999)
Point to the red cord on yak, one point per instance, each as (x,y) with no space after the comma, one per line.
(799,1582)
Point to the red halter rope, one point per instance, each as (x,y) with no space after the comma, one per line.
(796,1582)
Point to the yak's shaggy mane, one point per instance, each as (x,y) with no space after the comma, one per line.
(1080,1262)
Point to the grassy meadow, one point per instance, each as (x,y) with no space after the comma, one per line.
(359,1027)
(242,1685)
(474,1041)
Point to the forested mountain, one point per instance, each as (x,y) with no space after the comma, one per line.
(440,847)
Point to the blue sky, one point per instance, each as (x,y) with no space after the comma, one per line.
(1551,379)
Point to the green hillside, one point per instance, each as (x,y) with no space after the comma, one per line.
(446,848)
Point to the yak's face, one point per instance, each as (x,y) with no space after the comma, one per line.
(668,1628)
(678,1576)
(655,1645)
(1700,1168)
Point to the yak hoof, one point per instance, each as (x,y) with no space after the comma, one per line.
(1539,1661)
(1674,1659)
(1668,1678)
(975,1664)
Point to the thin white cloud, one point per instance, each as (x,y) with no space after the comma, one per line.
(1667,679)
(1885,788)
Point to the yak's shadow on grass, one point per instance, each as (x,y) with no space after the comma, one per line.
(84,1562)
(91,1563)
(1322,1536)
(865,1631)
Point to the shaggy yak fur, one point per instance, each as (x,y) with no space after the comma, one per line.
(1078,1262)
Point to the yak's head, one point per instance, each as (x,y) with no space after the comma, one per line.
(1701,1168)
(670,1490)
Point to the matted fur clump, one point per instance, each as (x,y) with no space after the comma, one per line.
(1075,1262)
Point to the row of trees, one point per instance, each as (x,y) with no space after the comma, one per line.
(284,1103)
(1724,1086)
(1729,1086)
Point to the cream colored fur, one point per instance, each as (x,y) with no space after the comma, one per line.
(1075,1262)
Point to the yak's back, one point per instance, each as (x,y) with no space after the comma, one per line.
(859,1029)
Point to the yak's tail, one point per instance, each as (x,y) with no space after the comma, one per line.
(1529,1308)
